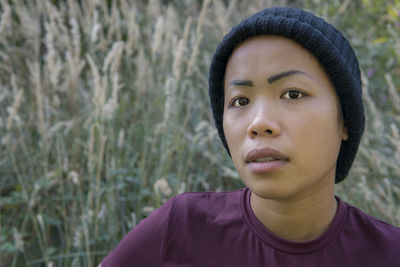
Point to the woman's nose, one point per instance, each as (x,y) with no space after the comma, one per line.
(264,124)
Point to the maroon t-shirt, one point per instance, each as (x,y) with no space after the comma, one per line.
(220,229)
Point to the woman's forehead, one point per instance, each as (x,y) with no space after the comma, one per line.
(274,57)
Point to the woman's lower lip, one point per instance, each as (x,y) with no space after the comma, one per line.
(267,166)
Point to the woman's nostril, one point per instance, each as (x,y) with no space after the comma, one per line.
(268,131)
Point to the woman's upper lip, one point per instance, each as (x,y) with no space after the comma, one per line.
(265,152)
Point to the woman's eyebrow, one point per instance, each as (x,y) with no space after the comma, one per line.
(241,82)
(281,75)
(271,79)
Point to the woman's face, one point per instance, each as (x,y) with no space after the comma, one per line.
(282,118)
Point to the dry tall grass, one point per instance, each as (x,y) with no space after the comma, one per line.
(104,115)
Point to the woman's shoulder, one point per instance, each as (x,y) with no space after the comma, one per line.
(370,222)
(374,231)
(205,197)
(200,206)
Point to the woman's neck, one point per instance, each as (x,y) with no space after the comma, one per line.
(300,220)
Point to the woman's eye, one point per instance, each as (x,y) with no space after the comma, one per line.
(239,102)
(293,95)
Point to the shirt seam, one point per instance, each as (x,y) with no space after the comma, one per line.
(373,218)
(165,232)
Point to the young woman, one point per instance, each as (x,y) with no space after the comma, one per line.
(285,94)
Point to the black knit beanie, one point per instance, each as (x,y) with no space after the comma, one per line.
(325,42)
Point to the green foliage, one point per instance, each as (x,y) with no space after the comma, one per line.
(104,115)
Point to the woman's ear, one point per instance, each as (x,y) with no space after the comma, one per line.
(344,134)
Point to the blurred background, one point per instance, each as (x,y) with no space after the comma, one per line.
(104,115)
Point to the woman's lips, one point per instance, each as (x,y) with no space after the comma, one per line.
(263,167)
(262,160)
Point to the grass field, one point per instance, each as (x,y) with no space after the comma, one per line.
(104,114)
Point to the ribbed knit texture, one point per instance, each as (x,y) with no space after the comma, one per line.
(325,42)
